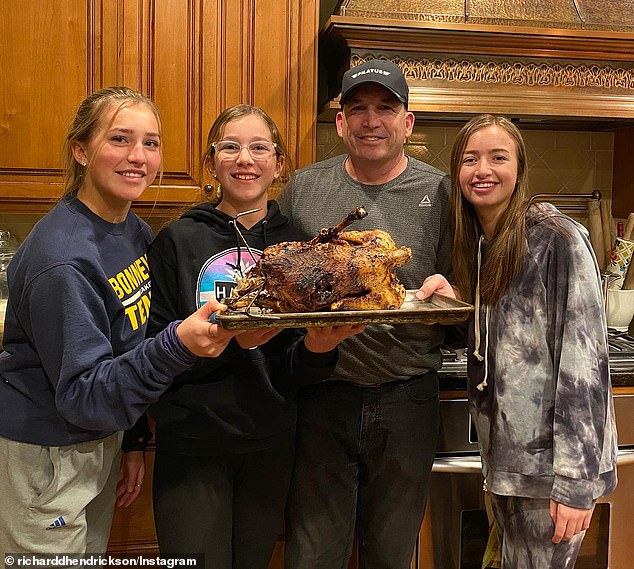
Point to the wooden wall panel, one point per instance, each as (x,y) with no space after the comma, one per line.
(269,38)
(302,81)
(193,58)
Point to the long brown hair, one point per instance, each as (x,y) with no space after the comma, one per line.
(505,255)
(86,122)
(217,129)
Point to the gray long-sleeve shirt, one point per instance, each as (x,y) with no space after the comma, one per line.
(413,208)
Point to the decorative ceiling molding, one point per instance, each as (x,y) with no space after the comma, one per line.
(523,73)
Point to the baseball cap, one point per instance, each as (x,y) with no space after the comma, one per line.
(378,71)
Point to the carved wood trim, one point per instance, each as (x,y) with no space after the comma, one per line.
(529,73)
(464,70)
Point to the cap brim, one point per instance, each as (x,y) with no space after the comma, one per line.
(344,96)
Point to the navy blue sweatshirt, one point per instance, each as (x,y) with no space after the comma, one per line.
(243,400)
(75,365)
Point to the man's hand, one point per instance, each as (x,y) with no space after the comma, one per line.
(568,521)
(255,338)
(436,283)
(320,340)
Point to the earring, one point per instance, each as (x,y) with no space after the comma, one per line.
(84,164)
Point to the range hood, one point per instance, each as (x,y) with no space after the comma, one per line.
(552,63)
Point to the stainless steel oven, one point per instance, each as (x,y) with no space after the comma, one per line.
(457,519)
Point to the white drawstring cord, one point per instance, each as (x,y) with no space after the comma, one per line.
(476,352)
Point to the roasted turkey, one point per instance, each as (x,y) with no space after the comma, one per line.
(351,270)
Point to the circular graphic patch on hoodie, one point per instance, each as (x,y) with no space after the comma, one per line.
(218,275)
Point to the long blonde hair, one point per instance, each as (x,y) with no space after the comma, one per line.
(86,121)
(505,255)
(216,131)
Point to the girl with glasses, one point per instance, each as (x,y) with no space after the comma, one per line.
(225,431)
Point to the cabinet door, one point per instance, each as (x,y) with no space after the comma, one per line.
(193,58)
(43,63)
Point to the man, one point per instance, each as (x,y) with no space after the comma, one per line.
(366,439)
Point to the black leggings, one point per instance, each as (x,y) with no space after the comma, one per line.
(228,508)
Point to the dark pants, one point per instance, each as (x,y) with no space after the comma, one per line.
(525,530)
(363,457)
(229,508)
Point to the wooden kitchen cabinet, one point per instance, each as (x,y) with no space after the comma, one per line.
(193,58)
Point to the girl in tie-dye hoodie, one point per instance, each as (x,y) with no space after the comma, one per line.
(539,384)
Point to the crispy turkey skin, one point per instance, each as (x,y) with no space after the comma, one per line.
(353,270)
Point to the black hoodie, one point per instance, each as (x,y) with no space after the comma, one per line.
(244,400)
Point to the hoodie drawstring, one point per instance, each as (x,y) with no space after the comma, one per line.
(240,238)
(233,224)
(476,352)
(266,241)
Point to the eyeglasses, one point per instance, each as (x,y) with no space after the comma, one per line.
(230,150)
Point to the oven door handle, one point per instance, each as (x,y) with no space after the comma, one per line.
(458,464)
(472,463)
(625,456)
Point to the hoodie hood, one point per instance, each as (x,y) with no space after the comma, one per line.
(221,222)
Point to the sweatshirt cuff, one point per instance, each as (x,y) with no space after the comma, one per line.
(175,348)
(573,492)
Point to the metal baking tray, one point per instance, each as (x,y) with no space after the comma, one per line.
(436,310)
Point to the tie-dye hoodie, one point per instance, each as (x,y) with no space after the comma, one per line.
(539,383)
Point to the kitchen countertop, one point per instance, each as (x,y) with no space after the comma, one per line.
(622,378)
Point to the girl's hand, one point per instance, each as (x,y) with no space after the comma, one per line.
(255,338)
(203,338)
(436,283)
(131,477)
(568,521)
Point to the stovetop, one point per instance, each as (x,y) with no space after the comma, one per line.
(621,345)
(621,351)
